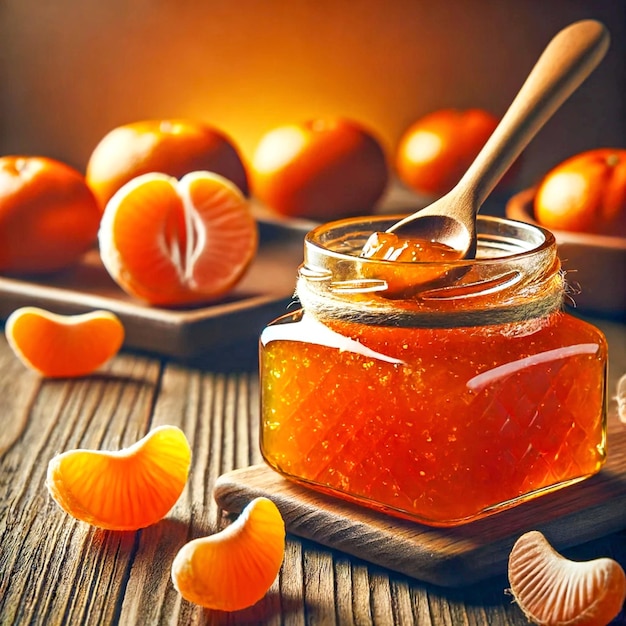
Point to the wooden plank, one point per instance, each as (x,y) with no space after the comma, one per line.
(18,390)
(54,570)
(449,557)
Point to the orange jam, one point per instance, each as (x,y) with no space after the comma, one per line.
(472,394)
(390,247)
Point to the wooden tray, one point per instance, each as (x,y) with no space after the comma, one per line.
(450,557)
(263,294)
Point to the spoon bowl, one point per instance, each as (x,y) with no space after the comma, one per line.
(565,63)
(435,223)
(446,229)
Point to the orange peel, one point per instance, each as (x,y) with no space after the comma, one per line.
(127,489)
(555,591)
(234,568)
(63,345)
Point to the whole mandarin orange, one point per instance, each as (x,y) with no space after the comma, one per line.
(437,149)
(174,147)
(319,169)
(48,215)
(585,193)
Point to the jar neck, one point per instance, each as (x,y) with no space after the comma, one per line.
(516,277)
(326,305)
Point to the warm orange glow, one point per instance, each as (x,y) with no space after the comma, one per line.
(173,127)
(424,146)
(246,69)
(278,148)
(562,191)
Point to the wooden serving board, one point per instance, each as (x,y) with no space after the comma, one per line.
(450,557)
(263,294)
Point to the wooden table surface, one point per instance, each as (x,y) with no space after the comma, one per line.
(54,570)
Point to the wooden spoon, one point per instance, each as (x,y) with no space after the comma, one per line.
(565,63)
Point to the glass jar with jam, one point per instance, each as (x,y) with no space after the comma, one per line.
(441,391)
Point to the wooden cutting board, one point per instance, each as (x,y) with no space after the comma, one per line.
(263,294)
(450,557)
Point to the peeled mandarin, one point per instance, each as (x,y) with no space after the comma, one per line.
(127,489)
(234,568)
(555,591)
(171,242)
(63,345)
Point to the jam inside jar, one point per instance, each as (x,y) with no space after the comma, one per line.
(440,392)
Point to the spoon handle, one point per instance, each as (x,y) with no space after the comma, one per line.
(565,63)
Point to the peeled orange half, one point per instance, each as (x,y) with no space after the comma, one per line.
(122,490)
(233,569)
(171,242)
(555,591)
(59,346)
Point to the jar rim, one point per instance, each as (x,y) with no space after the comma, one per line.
(536,238)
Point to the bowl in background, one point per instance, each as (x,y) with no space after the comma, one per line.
(595,265)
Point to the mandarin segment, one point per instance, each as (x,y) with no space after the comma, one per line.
(234,568)
(555,591)
(59,346)
(173,242)
(122,490)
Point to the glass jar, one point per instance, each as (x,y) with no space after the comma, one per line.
(440,392)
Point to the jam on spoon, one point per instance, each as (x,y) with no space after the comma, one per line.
(389,247)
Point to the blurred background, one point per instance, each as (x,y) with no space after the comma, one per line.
(72,70)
